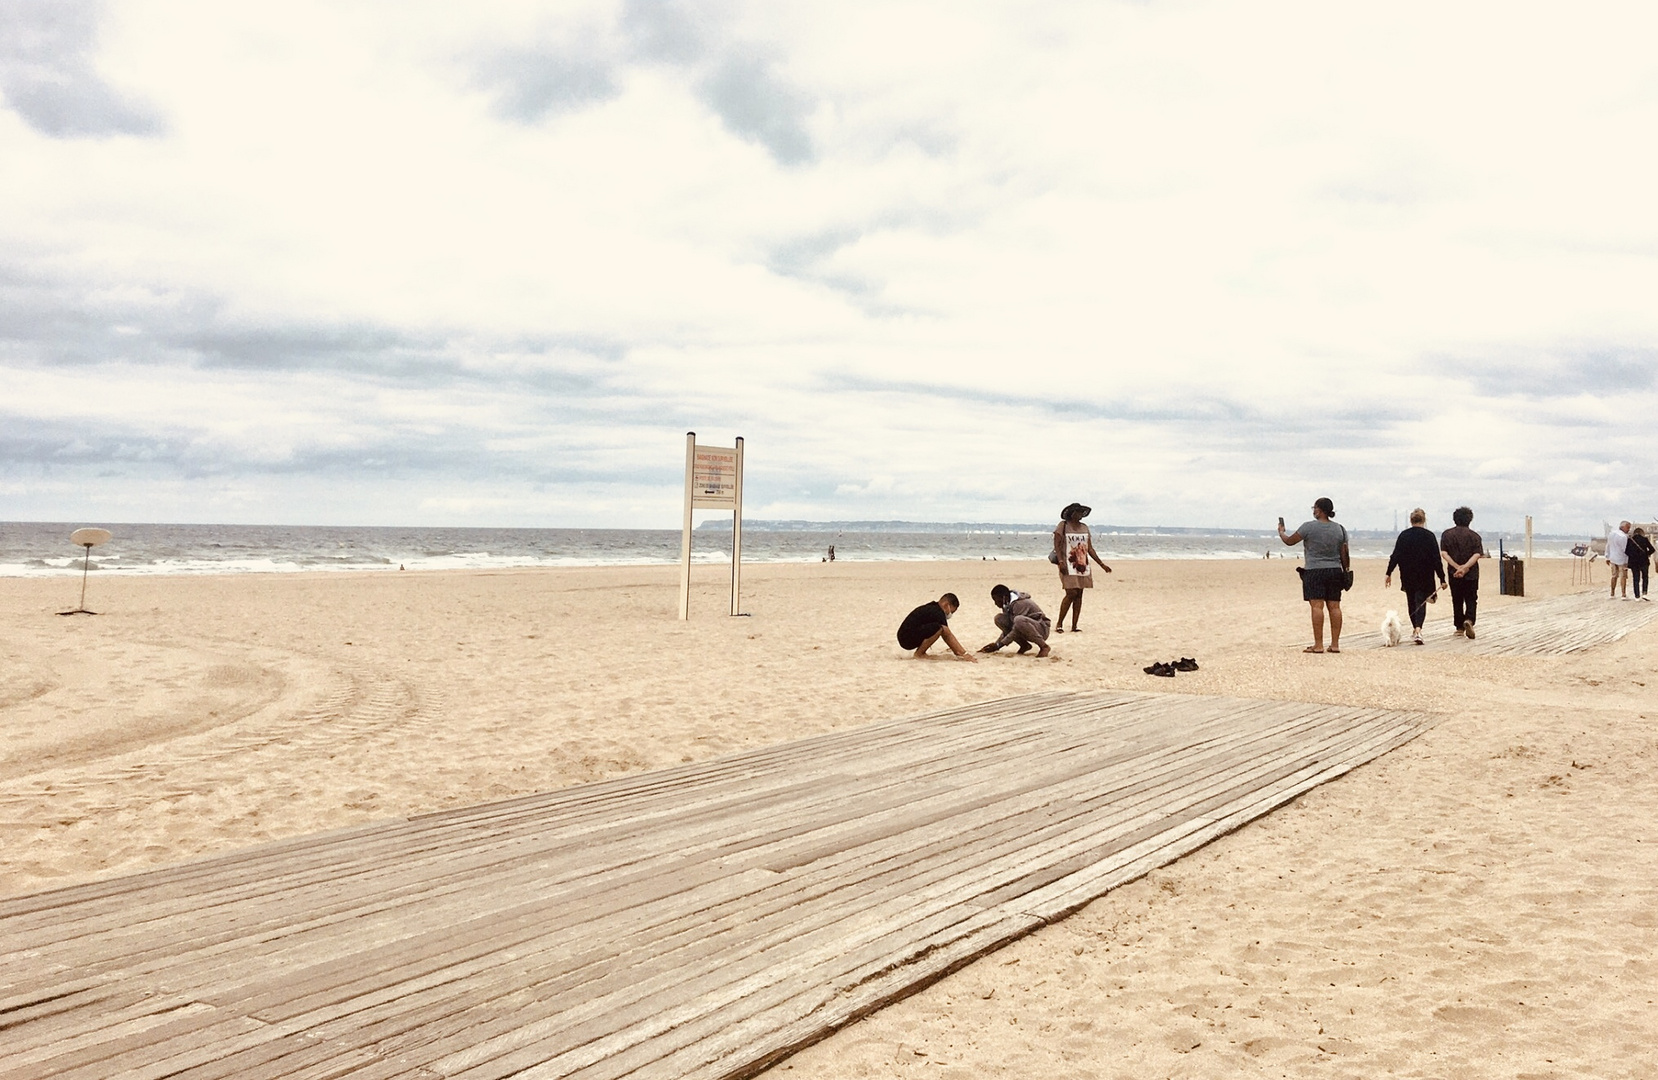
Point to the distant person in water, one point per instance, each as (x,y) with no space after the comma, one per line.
(1324,574)
(831,552)
(1022,623)
(928,623)
(1073,547)
(1416,557)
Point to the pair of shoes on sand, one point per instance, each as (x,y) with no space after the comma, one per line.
(1166,671)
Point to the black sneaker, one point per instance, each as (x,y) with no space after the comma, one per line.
(1185,663)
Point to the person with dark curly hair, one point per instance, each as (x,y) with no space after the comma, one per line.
(1463,550)
(1021,621)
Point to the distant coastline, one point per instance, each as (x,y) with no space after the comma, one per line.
(33,549)
(1098,529)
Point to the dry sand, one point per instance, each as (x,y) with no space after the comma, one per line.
(1481,903)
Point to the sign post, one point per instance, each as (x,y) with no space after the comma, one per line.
(713,481)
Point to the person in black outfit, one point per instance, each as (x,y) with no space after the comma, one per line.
(1463,550)
(1416,557)
(929,622)
(1640,552)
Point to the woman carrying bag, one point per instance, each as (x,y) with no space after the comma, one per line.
(1073,547)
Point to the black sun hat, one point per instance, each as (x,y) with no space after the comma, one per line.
(1077,509)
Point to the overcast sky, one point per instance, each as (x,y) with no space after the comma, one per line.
(485,264)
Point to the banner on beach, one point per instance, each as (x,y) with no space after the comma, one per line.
(713,481)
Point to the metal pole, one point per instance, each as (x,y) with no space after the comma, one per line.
(685,534)
(87,565)
(737,536)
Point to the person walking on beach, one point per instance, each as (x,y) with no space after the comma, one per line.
(1640,551)
(1022,623)
(1617,557)
(929,622)
(1416,557)
(1463,550)
(1073,547)
(1324,575)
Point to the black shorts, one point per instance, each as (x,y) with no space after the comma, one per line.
(1323,583)
(909,640)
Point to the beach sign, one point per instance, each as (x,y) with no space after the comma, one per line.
(714,477)
(88,539)
(713,481)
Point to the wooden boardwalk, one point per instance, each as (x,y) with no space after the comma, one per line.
(703,921)
(1552,627)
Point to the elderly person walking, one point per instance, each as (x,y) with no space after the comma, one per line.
(1073,547)
(1325,574)
(1617,557)
(1416,557)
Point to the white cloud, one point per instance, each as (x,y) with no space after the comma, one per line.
(1185,261)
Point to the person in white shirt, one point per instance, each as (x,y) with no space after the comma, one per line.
(1617,557)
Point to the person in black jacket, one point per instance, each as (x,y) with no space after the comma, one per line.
(1416,557)
(1640,552)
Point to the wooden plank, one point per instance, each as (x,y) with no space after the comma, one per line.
(487,938)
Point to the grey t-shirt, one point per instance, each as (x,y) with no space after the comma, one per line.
(1322,540)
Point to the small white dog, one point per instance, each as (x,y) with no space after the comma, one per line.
(1393,631)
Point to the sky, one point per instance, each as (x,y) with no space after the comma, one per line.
(1190,263)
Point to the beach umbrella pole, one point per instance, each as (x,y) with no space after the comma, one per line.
(88,539)
(85,566)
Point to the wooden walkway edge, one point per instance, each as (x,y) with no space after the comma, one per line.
(1556,626)
(702,921)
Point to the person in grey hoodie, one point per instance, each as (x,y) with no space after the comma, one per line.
(1021,621)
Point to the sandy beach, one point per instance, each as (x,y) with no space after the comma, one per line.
(1480,903)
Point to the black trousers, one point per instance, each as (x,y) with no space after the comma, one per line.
(1418,602)
(1465,595)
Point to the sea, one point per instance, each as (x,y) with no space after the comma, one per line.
(34,549)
